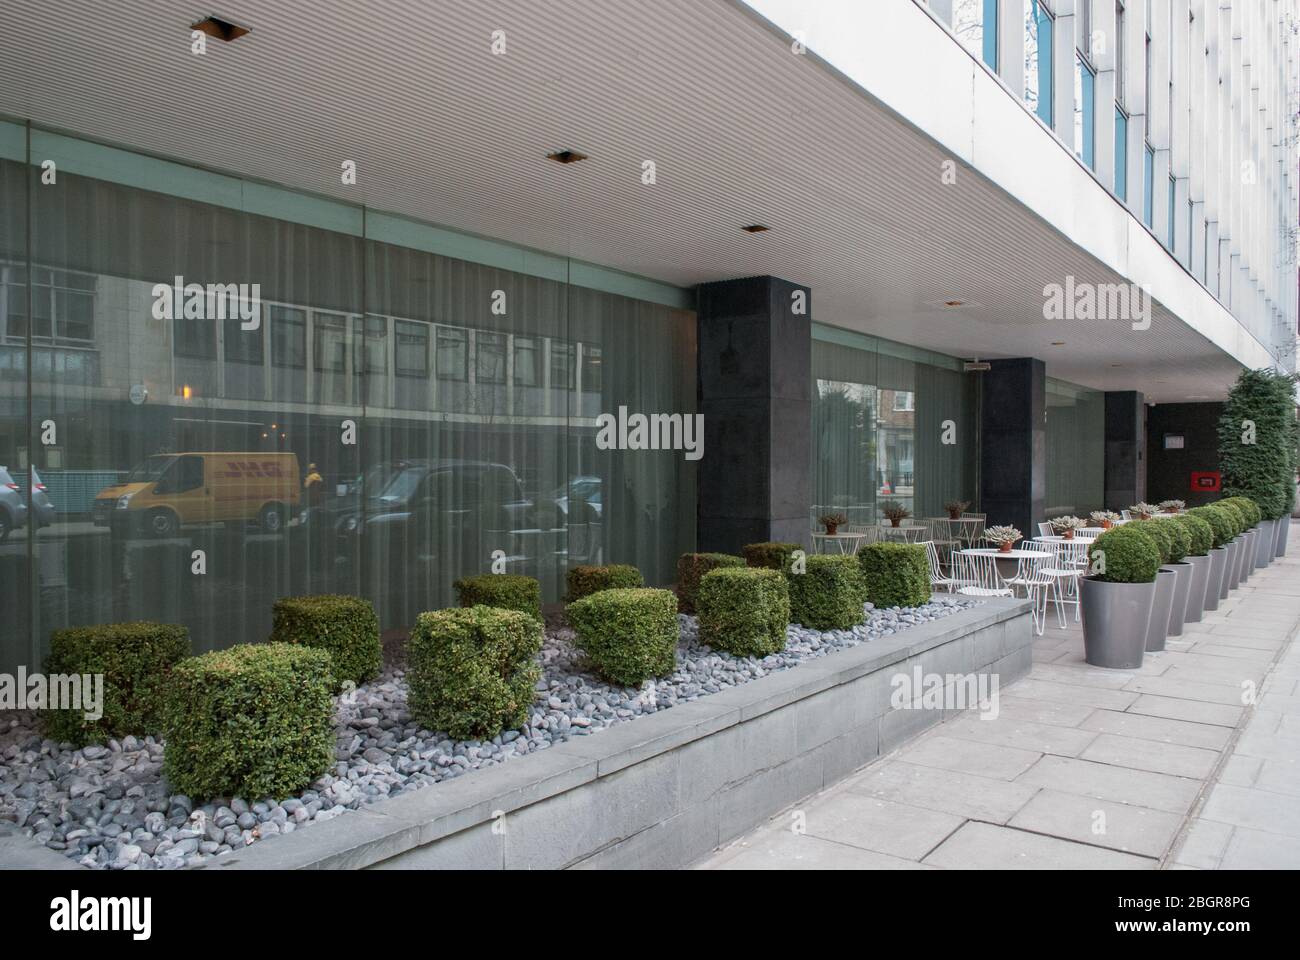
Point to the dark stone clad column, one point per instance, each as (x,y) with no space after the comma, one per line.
(755,369)
(1013,444)
(1126,449)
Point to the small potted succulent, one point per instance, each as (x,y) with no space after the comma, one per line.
(1143,511)
(832,522)
(1004,536)
(1105,518)
(894,512)
(1065,526)
(1172,506)
(955,508)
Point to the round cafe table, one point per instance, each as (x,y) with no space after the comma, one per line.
(913,533)
(1019,556)
(848,543)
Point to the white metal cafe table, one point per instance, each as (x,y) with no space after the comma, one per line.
(1018,555)
(848,543)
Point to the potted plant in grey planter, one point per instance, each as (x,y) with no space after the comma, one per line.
(1116,597)
(1222,528)
(1179,544)
(1236,547)
(1200,540)
(1166,585)
(1283,531)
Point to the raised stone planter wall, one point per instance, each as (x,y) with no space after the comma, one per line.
(665,790)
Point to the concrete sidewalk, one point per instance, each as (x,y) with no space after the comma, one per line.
(1166,766)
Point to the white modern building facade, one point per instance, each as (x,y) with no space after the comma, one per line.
(474,228)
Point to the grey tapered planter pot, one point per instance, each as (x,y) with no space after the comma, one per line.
(1196,592)
(1182,587)
(1283,531)
(1248,555)
(1232,574)
(1161,604)
(1265,548)
(1218,566)
(1115,621)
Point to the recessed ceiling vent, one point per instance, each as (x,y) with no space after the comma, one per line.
(220,29)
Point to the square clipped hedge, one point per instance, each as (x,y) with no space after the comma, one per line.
(504,590)
(773,556)
(895,574)
(744,610)
(691,568)
(584,581)
(344,627)
(828,594)
(252,721)
(628,634)
(134,659)
(471,670)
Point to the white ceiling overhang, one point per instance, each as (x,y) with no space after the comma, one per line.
(740,130)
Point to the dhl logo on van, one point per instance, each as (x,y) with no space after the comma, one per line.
(249,470)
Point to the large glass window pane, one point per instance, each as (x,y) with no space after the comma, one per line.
(890,424)
(1075,455)
(1039,30)
(1085,123)
(1121,154)
(1148,185)
(975,22)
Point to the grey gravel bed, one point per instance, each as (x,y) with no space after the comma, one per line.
(107,806)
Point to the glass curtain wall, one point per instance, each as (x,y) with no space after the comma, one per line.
(890,423)
(351,414)
(1076,449)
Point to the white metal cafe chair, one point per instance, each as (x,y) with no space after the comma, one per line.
(1068,562)
(1031,576)
(938,578)
(978,573)
(1045,530)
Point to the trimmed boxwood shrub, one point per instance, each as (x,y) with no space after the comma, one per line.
(1200,535)
(1126,554)
(1155,529)
(344,627)
(584,581)
(1178,543)
(1265,470)
(252,721)
(895,574)
(135,660)
(773,556)
(1219,521)
(504,590)
(828,594)
(1249,509)
(691,569)
(471,670)
(628,634)
(1235,514)
(744,610)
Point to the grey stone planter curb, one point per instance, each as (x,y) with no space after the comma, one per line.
(445,815)
(661,790)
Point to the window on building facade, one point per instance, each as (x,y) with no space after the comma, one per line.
(1121,153)
(975,22)
(1148,185)
(1085,108)
(1039,30)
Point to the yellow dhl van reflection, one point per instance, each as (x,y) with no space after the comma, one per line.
(169,491)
